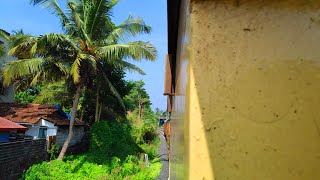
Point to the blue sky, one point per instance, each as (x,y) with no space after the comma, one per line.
(19,14)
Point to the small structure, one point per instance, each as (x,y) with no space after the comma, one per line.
(42,121)
(162,120)
(10,130)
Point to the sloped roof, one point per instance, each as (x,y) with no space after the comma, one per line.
(6,125)
(32,113)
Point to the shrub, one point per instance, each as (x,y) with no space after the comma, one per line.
(109,138)
(113,155)
(54,151)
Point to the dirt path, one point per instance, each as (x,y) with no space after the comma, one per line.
(163,155)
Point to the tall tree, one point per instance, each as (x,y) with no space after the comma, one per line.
(91,39)
(138,97)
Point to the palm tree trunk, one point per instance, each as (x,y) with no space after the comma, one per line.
(96,119)
(112,89)
(100,110)
(73,117)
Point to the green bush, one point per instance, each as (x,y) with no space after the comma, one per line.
(113,155)
(54,151)
(111,139)
(79,168)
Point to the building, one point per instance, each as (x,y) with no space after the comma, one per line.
(42,121)
(6,94)
(9,130)
(243,86)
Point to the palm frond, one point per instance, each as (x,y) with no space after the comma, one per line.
(75,70)
(136,50)
(78,21)
(4,34)
(124,65)
(53,39)
(35,79)
(92,61)
(132,26)
(62,68)
(23,48)
(96,17)
(20,68)
(131,67)
(18,37)
(112,89)
(54,8)
(51,92)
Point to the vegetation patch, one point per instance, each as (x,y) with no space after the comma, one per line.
(113,154)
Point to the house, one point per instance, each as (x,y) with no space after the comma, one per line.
(6,94)
(42,121)
(8,128)
(243,83)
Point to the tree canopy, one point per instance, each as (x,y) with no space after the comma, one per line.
(80,56)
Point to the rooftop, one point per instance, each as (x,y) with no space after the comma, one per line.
(32,113)
(6,125)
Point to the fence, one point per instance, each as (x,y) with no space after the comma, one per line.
(15,157)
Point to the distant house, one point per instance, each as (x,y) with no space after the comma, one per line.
(42,121)
(8,128)
(6,94)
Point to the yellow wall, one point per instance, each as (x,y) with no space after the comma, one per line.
(248,91)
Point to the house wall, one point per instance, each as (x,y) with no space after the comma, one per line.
(247,91)
(33,130)
(63,131)
(51,128)
(9,92)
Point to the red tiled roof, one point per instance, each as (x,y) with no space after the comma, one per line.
(6,125)
(32,113)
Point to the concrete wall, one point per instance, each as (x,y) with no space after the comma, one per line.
(247,93)
(9,92)
(15,157)
(63,131)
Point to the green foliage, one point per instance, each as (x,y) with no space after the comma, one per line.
(54,151)
(159,112)
(137,95)
(2,49)
(79,169)
(28,95)
(111,138)
(47,93)
(113,155)
(55,93)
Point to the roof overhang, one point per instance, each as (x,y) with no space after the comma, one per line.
(173,12)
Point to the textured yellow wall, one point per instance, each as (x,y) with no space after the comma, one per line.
(248,93)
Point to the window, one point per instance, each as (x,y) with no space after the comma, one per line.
(42,132)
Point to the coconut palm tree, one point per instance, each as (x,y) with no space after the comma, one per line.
(90,40)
